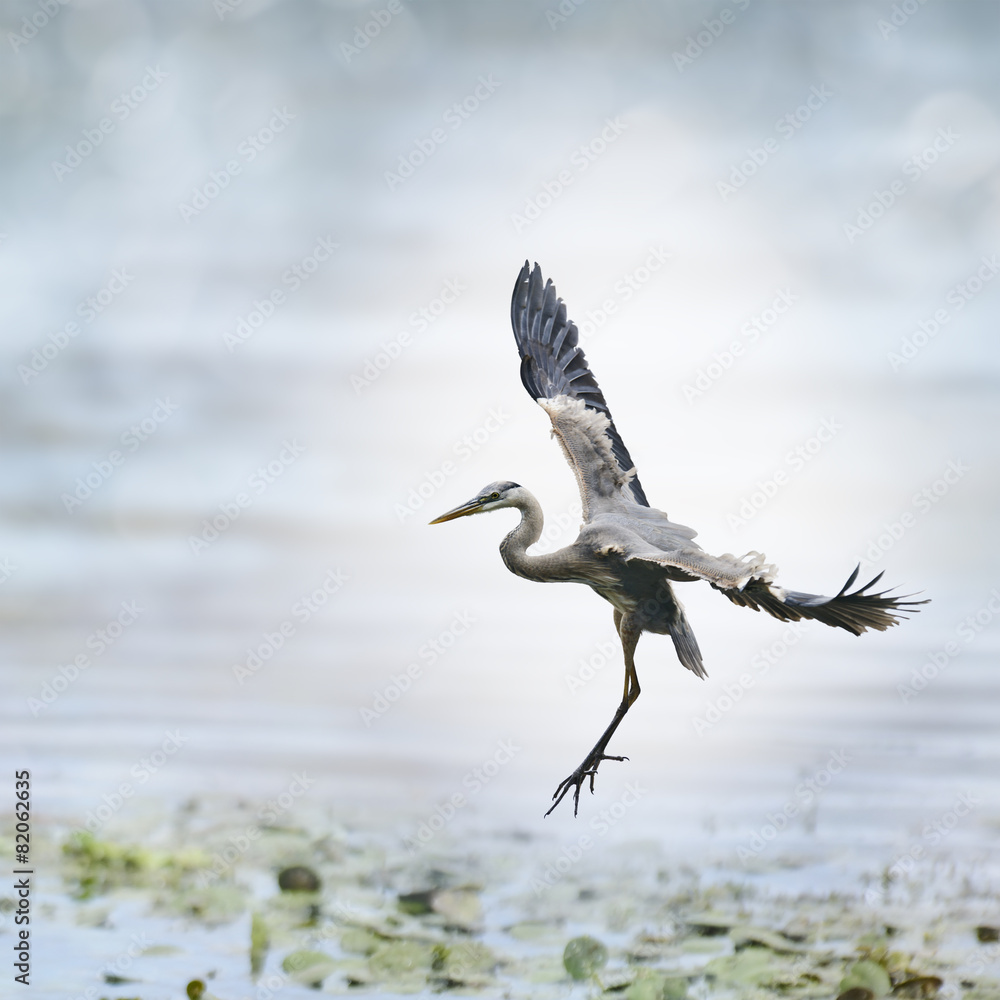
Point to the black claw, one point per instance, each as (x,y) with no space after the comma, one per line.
(588,769)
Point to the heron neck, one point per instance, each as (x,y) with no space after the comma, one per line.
(513,549)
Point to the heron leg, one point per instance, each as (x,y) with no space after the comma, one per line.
(628,632)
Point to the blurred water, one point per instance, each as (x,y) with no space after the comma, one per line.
(355,447)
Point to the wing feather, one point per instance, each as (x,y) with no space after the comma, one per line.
(749,583)
(555,373)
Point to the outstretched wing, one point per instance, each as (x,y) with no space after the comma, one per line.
(555,373)
(749,582)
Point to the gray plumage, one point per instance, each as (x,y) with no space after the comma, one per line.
(627,551)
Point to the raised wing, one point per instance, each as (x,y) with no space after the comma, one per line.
(555,373)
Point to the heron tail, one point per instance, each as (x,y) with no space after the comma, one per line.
(686,644)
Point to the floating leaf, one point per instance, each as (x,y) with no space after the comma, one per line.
(468,958)
(195,989)
(298,878)
(869,975)
(400,958)
(416,904)
(857,993)
(752,966)
(742,936)
(535,931)
(986,934)
(651,984)
(711,924)
(308,967)
(583,956)
(359,941)
(918,988)
(459,906)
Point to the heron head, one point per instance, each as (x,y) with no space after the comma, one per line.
(492,497)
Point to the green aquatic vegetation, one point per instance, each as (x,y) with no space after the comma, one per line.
(869,975)
(308,967)
(260,942)
(359,941)
(584,956)
(94,867)
(393,959)
(651,984)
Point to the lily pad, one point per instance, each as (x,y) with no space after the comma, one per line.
(458,906)
(583,956)
(743,936)
(869,975)
(308,967)
(298,878)
(711,924)
(535,931)
(753,966)
(359,941)
(651,984)
(468,958)
(394,959)
(918,988)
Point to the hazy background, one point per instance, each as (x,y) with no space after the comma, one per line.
(216,76)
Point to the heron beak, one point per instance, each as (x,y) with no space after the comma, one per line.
(471,507)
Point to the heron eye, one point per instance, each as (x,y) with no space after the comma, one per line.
(494,496)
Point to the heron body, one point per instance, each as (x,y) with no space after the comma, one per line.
(627,551)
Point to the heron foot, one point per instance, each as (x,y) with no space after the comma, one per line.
(588,769)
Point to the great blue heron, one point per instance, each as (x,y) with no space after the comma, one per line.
(627,551)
